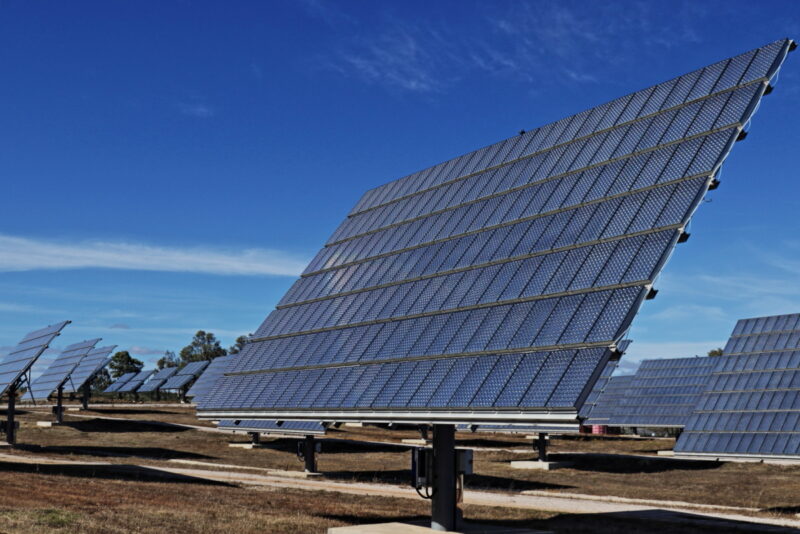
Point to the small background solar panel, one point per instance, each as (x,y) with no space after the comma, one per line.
(119,382)
(22,357)
(205,382)
(266,426)
(751,405)
(158,379)
(94,362)
(60,369)
(663,393)
(608,400)
(133,385)
(533,253)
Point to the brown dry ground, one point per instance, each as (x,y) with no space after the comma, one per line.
(73,498)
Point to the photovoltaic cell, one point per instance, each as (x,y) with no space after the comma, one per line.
(119,382)
(185,374)
(751,405)
(597,390)
(60,369)
(205,382)
(94,362)
(533,253)
(265,426)
(158,379)
(16,363)
(663,393)
(608,400)
(133,385)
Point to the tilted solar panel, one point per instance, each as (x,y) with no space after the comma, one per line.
(60,369)
(185,375)
(493,287)
(597,390)
(608,400)
(22,357)
(663,393)
(119,382)
(265,426)
(158,379)
(133,385)
(89,366)
(751,406)
(205,382)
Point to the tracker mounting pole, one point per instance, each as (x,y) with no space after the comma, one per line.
(444,511)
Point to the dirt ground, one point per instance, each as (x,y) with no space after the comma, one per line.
(59,498)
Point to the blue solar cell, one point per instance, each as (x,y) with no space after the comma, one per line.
(22,357)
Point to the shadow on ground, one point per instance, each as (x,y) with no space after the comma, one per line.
(622,463)
(332,446)
(111,472)
(138,411)
(151,453)
(115,426)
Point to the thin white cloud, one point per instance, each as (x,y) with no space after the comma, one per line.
(145,351)
(200,111)
(27,254)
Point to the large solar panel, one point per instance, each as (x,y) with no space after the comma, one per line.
(597,390)
(493,287)
(119,382)
(185,374)
(22,357)
(751,406)
(60,369)
(205,382)
(158,379)
(608,400)
(663,393)
(265,426)
(133,385)
(89,366)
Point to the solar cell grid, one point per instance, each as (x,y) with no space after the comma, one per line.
(663,393)
(751,404)
(608,400)
(119,382)
(562,229)
(87,369)
(205,382)
(265,426)
(133,385)
(16,363)
(60,369)
(158,379)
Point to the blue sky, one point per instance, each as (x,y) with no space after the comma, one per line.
(170,166)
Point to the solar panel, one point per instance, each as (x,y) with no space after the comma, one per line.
(597,390)
(60,369)
(494,287)
(663,393)
(119,382)
(205,382)
(22,357)
(521,429)
(751,405)
(265,426)
(158,379)
(87,369)
(133,385)
(608,400)
(185,374)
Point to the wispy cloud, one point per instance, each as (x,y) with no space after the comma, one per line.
(145,351)
(200,111)
(120,326)
(26,254)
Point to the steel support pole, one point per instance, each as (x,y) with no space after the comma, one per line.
(541,446)
(310,454)
(255,438)
(87,392)
(11,432)
(444,515)
(60,405)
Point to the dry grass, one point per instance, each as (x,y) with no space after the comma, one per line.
(69,499)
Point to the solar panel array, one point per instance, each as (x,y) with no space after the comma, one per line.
(265,426)
(185,374)
(133,385)
(608,400)
(94,362)
(205,382)
(494,286)
(22,357)
(751,406)
(119,382)
(521,429)
(60,369)
(597,390)
(158,379)
(663,393)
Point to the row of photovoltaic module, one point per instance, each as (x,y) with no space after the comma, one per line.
(185,374)
(18,362)
(88,368)
(505,290)
(119,382)
(157,380)
(751,406)
(57,373)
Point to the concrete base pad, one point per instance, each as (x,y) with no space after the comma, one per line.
(666,453)
(4,445)
(422,442)
(46,424)
(535,464)
(246,445)
(354,425)
(75,409)
(406,528)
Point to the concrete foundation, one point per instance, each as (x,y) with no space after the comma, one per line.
(666,453)
(246,445)
(542,466)
(46,424)
(416,441)
(406,528)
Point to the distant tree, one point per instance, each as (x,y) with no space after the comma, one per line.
(101,381)
(122,362)
(237,347)
(204,346)
(715,352)
(169,359)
